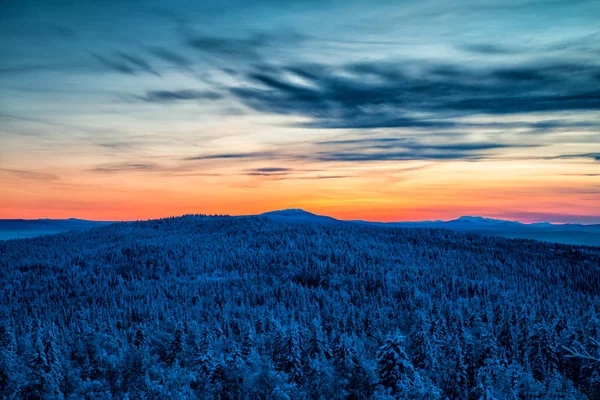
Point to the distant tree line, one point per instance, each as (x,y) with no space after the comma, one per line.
(247,308)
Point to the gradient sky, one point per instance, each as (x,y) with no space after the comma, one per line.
(379,110)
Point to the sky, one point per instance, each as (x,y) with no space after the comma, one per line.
(378,110)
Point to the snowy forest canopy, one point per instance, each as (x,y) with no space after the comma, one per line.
(247,308)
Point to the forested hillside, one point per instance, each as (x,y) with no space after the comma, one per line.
(248,308)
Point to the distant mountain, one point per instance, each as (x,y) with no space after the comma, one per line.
(27,228)
(297,215)
(545,231)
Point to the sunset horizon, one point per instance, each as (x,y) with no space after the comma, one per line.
(146,111)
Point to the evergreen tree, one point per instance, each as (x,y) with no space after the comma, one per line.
(44,381)
(393,366)
(8,360)
(177,346)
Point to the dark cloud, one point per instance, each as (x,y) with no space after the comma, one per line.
(395,156)
(227,47)
(138,62)
(248,48)
(127,166)
(385,95)
(126,63)
(594,156)
(269,171)
(463,146)
(168,96)
(490,49)
(385,142)
(369,149)
(400,142)
(553,125)
(225,156)
(403,149)
(171,57)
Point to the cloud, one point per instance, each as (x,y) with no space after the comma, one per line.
(247,49)
(127,166)
(126,63)
(226,156)
(404,149)
(138,166)
(40,67)
(594,156)
(269,171)
(171,57)
(318,177)
(387,95)
(395,156)
(226,47)
(490,49)
(290,174)
(168,96)
(401,142)
(119,144)
(29,175)
(365,150)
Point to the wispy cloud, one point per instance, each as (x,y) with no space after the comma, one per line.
(172,57)
(228,156)
(127,166)
(365,150)
(247,48)
(29,175)
(490,49)
(125,63)
(384,95)
(404,149)
(169,96)
(269,171)
(594,156)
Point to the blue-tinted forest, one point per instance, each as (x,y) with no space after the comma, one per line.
(248,308)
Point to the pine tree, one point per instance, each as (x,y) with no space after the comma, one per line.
(43,379)
(317,344)
(393,365)
(247,345)
(8,360)
(292,356)
(139,338)
(177,347)
(343,354)
(53,358)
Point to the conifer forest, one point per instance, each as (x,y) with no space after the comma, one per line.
(217,307)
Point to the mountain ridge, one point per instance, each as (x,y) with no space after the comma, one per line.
(578,234)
